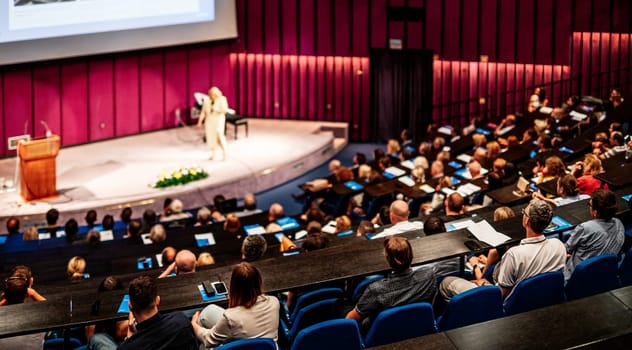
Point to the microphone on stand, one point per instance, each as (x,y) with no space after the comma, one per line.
(48,132)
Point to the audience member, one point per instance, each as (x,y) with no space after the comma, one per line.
(30,234)
(314,213)
(148,328)
(253,248)
(52,215)
(184,263)
(393,148)
(566,190)
(406,137)
(91,217)
(275,212)
(107,223)
(21,272)
(617,145)
(93,238)
(454,205)
(13,225)
(205,259)
(343,223)
(116,330)
(434,225)
(585,172)
(438,197)
(315,241)
(250,313)
(536,254)
(126,215)
(493,152)
(203,217)
(503,213)
(232,224)
(273,227)
(474,169)
(364,227)
(505,125)
(553,168)
(133,232)
(71,228)
(383,216)
(76,269)
(168,256)
(17,290)
(604,234)
(419,170)
(157,234)
(401,286)
(398,214)
(149,220)
(177,212)
(250,203)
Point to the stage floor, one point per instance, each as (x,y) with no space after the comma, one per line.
(109,175)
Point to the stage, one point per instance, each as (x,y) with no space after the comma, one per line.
(109,175)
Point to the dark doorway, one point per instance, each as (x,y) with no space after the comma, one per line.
(401,92)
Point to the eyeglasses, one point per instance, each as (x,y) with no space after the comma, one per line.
(524,212)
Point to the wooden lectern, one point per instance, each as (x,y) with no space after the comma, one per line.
(38,168)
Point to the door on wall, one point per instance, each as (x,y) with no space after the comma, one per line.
(401,92)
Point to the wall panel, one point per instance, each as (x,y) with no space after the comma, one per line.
(470,30)
(378,24)
(127,95)
(289,17)
(152,92)
(19,111)
(74,102)
(507,31)
(101,103)
(359,33)
(525,38)
(46,103)
(324,28)
(306,27)
(177,95)
(271,27)
(488,37)
(452,29)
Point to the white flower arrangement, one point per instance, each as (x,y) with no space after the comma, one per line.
(179,176)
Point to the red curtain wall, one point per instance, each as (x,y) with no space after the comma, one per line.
(299,59)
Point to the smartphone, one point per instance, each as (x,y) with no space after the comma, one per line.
(220,288)
(279,236)
(208,288)
(291,252)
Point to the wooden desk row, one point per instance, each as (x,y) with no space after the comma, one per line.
(279,274)
(356,259)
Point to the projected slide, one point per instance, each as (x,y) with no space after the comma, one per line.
(36,19)
(36,30)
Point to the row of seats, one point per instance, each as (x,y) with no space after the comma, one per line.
(593,276)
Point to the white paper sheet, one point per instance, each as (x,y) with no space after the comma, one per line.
(484,232)
(106,235)
(395,171)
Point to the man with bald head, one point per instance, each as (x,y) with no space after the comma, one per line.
(185,263)
(474,169)
(275,212)
(399,218)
